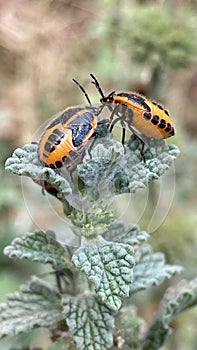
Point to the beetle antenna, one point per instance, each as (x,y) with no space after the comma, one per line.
(83,90)
(97,85)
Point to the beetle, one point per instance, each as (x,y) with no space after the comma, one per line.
(145,118)
(66,136)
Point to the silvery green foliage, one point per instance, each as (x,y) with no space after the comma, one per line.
(90,321)
(38,246)
(184,295)
(128,234)
(114,169)
(176,300)
(151,269)
(110,268)
(113,261)
(36,304)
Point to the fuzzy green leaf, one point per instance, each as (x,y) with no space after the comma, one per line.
(114,169)
(24,161)
(89,321)
(158,155)
(110,268)
(150,269)
(103,174)
(156,336)
(38,246)
(176,300)
(37,304)
(25,156)
(129,234)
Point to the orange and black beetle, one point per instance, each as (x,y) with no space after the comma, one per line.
(142,116)
(66,136)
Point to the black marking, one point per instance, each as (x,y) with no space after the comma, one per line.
(147,115)
(45,155)
(155,119)
(139,100)
(109,98)
(160,107)
(68,114)
(52,166)
(168,128)
(53,138)
(124,94)
(64,159)
(49,147)
(57,142)
(85,118)
(78,134)
(166,112)
(54,122)
(59,133)
(172,132)
(162,124)
(58,164)
(64,117)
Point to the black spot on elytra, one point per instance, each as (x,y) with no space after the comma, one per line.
(49,147)
(52,138)
(172,132)
(162,124)
(52,166)
(160,107)
(155,119)
(58,132)
(168,127)
(147,115)
(56,140)
(58,164)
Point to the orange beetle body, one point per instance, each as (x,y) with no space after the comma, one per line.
(65,137)
(146,116)
(143,116)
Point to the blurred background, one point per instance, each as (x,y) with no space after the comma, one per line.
(146,46)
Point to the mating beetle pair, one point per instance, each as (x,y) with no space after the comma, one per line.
(66,136)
